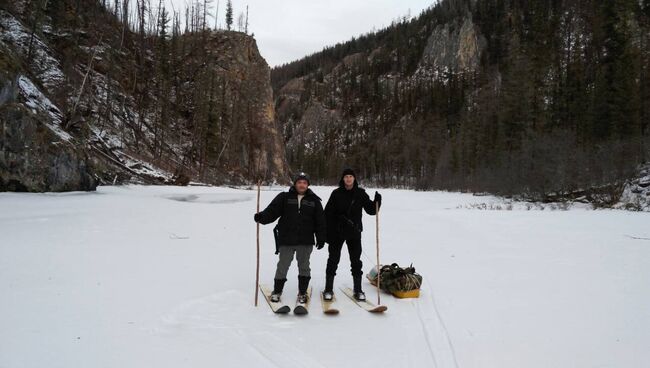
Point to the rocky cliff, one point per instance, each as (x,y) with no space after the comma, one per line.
(334,112)
(85,101)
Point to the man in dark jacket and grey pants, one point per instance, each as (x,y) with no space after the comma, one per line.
(343,214)
(301,217)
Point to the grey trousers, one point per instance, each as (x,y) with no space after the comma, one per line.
(286,257)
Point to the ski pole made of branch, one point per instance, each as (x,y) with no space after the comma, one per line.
(257,270)
(378,266)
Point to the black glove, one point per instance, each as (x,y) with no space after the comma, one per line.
(256,217)
(320,245)
(377,197)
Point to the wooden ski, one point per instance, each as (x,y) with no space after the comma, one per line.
(279,307)
(368,306)
(328,306)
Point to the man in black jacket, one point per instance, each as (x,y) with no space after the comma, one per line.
(301,217)
(343,216)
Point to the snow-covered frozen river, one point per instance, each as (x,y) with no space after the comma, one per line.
(164,277)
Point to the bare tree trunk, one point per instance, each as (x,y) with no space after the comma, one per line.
(83,83)
(35,24)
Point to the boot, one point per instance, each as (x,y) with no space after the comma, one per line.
(357,283)
(303,284)
(329,283)
(278,285)
(328,296)
(302,298)
(360,296)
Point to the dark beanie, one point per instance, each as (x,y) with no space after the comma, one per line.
(349,171)
(301,176)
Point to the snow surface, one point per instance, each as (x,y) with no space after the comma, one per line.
(164,277)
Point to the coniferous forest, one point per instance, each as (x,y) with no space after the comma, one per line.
(541,98)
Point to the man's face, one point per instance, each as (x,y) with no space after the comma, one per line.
(348,180)
(301,186)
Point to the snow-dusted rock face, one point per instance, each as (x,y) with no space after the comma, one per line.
(36,154)
(316,124)
(636,194)
(36,158)
(72,92)
(453,47)
(42,63)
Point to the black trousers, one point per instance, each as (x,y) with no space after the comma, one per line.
(354,250)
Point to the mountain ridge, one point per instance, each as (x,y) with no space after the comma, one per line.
(531,100)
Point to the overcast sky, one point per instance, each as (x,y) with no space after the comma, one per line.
(287,30)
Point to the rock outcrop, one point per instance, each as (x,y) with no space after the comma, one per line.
(454,47)
(33,158)
(329,114)
(636,193)
(235,59)
(35,153)
(95,103)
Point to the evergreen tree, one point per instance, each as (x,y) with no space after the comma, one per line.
(229,15)
(616,91)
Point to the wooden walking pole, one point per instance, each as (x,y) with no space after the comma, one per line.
(257,271)
(378,266)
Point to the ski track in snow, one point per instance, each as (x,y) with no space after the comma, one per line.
(441,336)
(278,352)
(439,344)
(215,313)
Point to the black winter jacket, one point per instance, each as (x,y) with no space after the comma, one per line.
(297,226)
(343,212)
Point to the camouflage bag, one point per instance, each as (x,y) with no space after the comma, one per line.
(395,278)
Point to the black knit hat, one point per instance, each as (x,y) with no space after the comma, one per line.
(348,171)
(301,176)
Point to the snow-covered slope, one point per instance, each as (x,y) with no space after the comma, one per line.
(164,277)
(636,193)
(79,76)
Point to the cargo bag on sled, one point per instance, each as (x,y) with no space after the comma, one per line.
(401,282)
